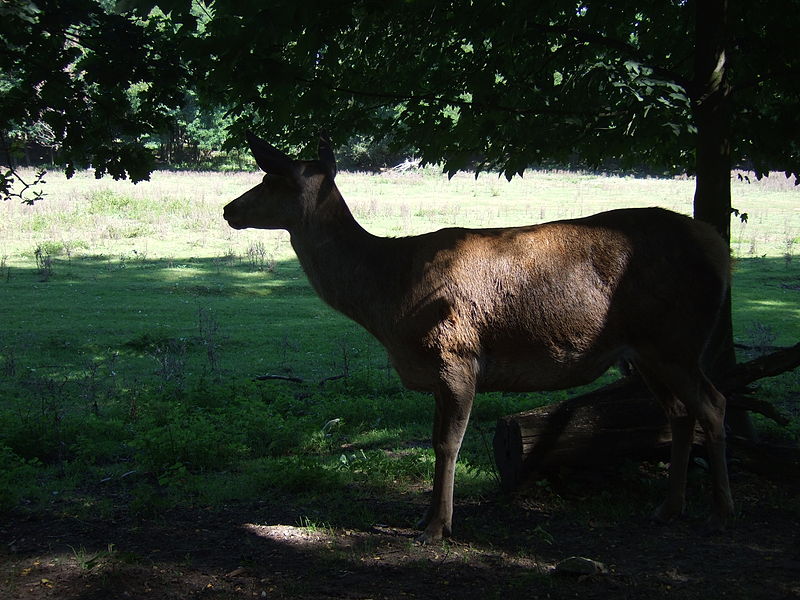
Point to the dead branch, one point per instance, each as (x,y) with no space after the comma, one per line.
(269,377)
(769,365)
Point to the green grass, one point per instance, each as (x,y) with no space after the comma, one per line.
(134,321)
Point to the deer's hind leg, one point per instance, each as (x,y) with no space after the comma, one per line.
(710,412)
(682,425)
(688,388)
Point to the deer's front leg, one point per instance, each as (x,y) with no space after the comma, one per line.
(453,405)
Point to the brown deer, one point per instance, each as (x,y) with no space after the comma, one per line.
(541,307)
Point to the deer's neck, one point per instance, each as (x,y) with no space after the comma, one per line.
(351,269)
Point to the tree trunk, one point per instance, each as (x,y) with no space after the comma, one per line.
(712,199)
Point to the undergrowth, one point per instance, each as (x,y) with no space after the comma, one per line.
(211,442)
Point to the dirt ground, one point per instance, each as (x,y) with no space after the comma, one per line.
(502,549)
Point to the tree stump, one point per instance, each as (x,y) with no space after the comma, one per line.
(617,422)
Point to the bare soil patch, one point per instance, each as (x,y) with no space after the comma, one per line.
(504,548)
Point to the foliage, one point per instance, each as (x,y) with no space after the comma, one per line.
(506,86)
(88,82)
(12,185)
(195,137)
(17,477)
(475,85)
(363,153)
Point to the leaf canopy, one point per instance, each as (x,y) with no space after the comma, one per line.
(470,84)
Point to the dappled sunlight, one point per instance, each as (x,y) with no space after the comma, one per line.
(47,574)
(378,438)
(300,537)
(786,305)
(97,305)
(261,551)
(391,547)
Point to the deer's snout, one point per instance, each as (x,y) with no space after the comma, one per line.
(229,213)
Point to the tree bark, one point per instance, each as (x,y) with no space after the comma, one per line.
(712,117)
(780,361)
(600,428)
(712,200)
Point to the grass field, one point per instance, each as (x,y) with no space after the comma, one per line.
(133,321)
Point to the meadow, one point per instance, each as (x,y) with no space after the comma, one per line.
(134,323)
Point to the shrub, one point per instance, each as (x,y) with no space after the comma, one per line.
(101,440)
(170,433)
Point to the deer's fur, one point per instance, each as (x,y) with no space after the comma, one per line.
(520,309)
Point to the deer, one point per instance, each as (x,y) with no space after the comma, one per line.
(531,308)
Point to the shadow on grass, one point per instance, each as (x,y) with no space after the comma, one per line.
(92,298)
(90,308)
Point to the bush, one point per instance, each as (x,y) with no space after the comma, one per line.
(101,441)
(176,432)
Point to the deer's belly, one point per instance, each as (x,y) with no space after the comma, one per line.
(520,371)
(529,372)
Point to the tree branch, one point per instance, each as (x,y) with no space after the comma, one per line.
(269,377)
(624,48)
(8,178)
(769,365)
(745,401)
(441,98)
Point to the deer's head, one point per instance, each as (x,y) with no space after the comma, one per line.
(291,191)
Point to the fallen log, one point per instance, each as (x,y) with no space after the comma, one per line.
(614,423)
(619,421)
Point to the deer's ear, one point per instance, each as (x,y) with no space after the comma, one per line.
(268,157)
(325,153)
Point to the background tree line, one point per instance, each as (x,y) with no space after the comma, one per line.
(194,139)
